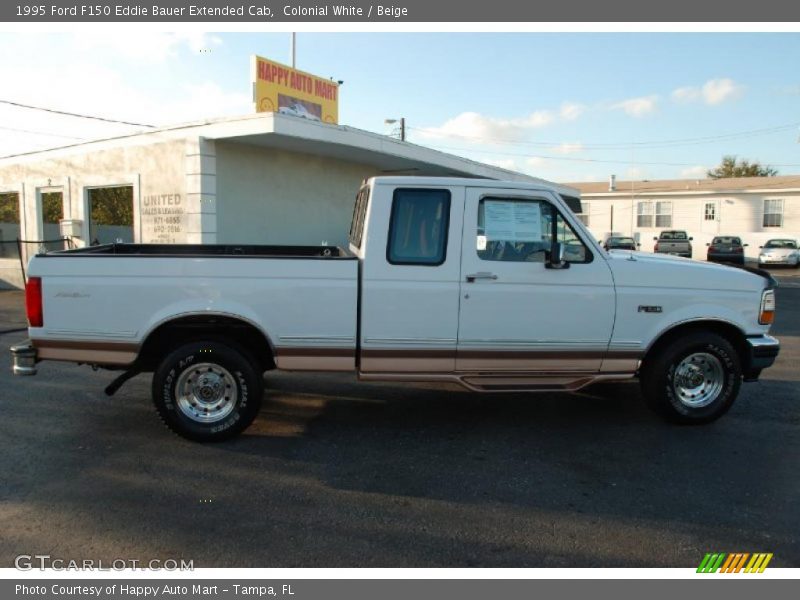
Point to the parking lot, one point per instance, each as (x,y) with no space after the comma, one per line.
(339,474)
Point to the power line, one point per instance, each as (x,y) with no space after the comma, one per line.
(71,137)
(576,159)
(70,114)
(621,145)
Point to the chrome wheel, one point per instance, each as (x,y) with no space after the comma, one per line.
(698,380)
(206,393)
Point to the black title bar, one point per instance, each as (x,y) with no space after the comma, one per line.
(464,11)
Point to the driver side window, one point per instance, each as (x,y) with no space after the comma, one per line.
(522,230)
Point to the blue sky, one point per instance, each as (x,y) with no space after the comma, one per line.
(552,105)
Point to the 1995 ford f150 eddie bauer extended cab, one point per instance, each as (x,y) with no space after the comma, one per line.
(493,285)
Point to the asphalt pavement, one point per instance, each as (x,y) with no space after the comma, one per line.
(335,473)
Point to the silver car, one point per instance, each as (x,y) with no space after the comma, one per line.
(779,252)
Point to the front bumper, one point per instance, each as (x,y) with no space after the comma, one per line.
(777,260)
(764,350)
(24,357)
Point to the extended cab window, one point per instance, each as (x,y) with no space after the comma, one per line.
(359,216)
(418,227)
(521,230)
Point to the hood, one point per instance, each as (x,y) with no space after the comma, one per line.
(643,269)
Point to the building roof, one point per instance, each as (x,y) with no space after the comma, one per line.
(684,186)
(388,155)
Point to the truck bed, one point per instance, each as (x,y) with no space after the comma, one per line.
(209,250)
(111,297)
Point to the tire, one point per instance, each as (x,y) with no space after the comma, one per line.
(695,379)
(215,408)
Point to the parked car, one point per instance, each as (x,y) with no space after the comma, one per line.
(779,252)
(727,249)
(674,242)
(425,292)
(298,110)
(620,243)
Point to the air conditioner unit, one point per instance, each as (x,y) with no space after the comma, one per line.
(70,228)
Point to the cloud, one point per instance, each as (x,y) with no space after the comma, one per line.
(717,91)
(712,92)
(685,95)
(694,172)
(503,163)
(568,148)
(571,110)
(535,161)
(146,46)
(116,98)
(638,107)
(475,125)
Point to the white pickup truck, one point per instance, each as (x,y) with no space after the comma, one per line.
(493,285)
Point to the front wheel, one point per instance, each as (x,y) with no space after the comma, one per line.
(207,391)
(693,380)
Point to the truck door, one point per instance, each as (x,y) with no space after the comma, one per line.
(516,314)
(411,280)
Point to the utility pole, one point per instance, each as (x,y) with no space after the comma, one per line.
(294,50)
(402,121)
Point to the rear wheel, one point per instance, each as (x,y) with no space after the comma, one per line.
(207,391)
(694,379)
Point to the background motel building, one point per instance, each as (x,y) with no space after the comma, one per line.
(753,208)
(262,178)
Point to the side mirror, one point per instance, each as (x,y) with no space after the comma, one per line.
(691,238)
(556,258)
(761,246)
(745,245)
(655,239)
(707,244)
(638,245)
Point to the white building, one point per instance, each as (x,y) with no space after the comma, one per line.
(753,208)
(261,178)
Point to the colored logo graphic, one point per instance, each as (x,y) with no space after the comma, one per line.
(734,563)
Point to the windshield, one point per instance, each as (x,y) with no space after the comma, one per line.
(729,241)
(781,244)
(673,235)
(621,240)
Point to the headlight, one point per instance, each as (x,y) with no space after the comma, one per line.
(767,313)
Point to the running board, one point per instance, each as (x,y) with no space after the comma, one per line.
(504,382)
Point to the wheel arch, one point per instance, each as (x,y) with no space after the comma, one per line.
(185,328)
(725,329)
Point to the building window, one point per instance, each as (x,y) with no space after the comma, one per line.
(111,215)
(418,227)
(52,213)
(584,214)
(710,211)
(663,214)
(644,214)
(9,224)
(773,212)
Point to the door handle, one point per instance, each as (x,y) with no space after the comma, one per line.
(481,275)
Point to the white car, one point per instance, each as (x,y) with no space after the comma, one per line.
(779,252)
(493,285)
(298,110)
